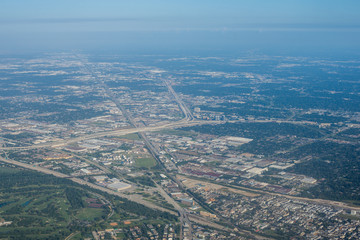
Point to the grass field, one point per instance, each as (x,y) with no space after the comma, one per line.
(148,162)
(90,214)
(132,136)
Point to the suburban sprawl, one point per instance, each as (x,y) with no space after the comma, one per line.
(159,147)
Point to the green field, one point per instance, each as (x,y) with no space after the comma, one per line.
(148,162)
(132,136)
(90,214)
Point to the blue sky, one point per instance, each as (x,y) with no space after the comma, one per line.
(117,15)
(36,20)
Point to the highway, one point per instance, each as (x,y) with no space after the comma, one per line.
(119,132)
(313,200)
(134,198)
(187,113)
(122,132)
(140,131)
(182,212)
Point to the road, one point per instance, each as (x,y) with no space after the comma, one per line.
(140,131)
(134,198)
(236,188)
(72,235)
(120,132)
(184,219)
(182,212)
(187,113)
(96,164)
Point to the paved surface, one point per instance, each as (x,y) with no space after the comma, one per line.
(120,132)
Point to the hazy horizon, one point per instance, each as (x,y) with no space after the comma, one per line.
(213,27)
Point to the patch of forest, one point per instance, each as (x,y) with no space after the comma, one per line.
(259,130)
(336,166)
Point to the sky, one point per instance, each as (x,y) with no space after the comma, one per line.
(173,25)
